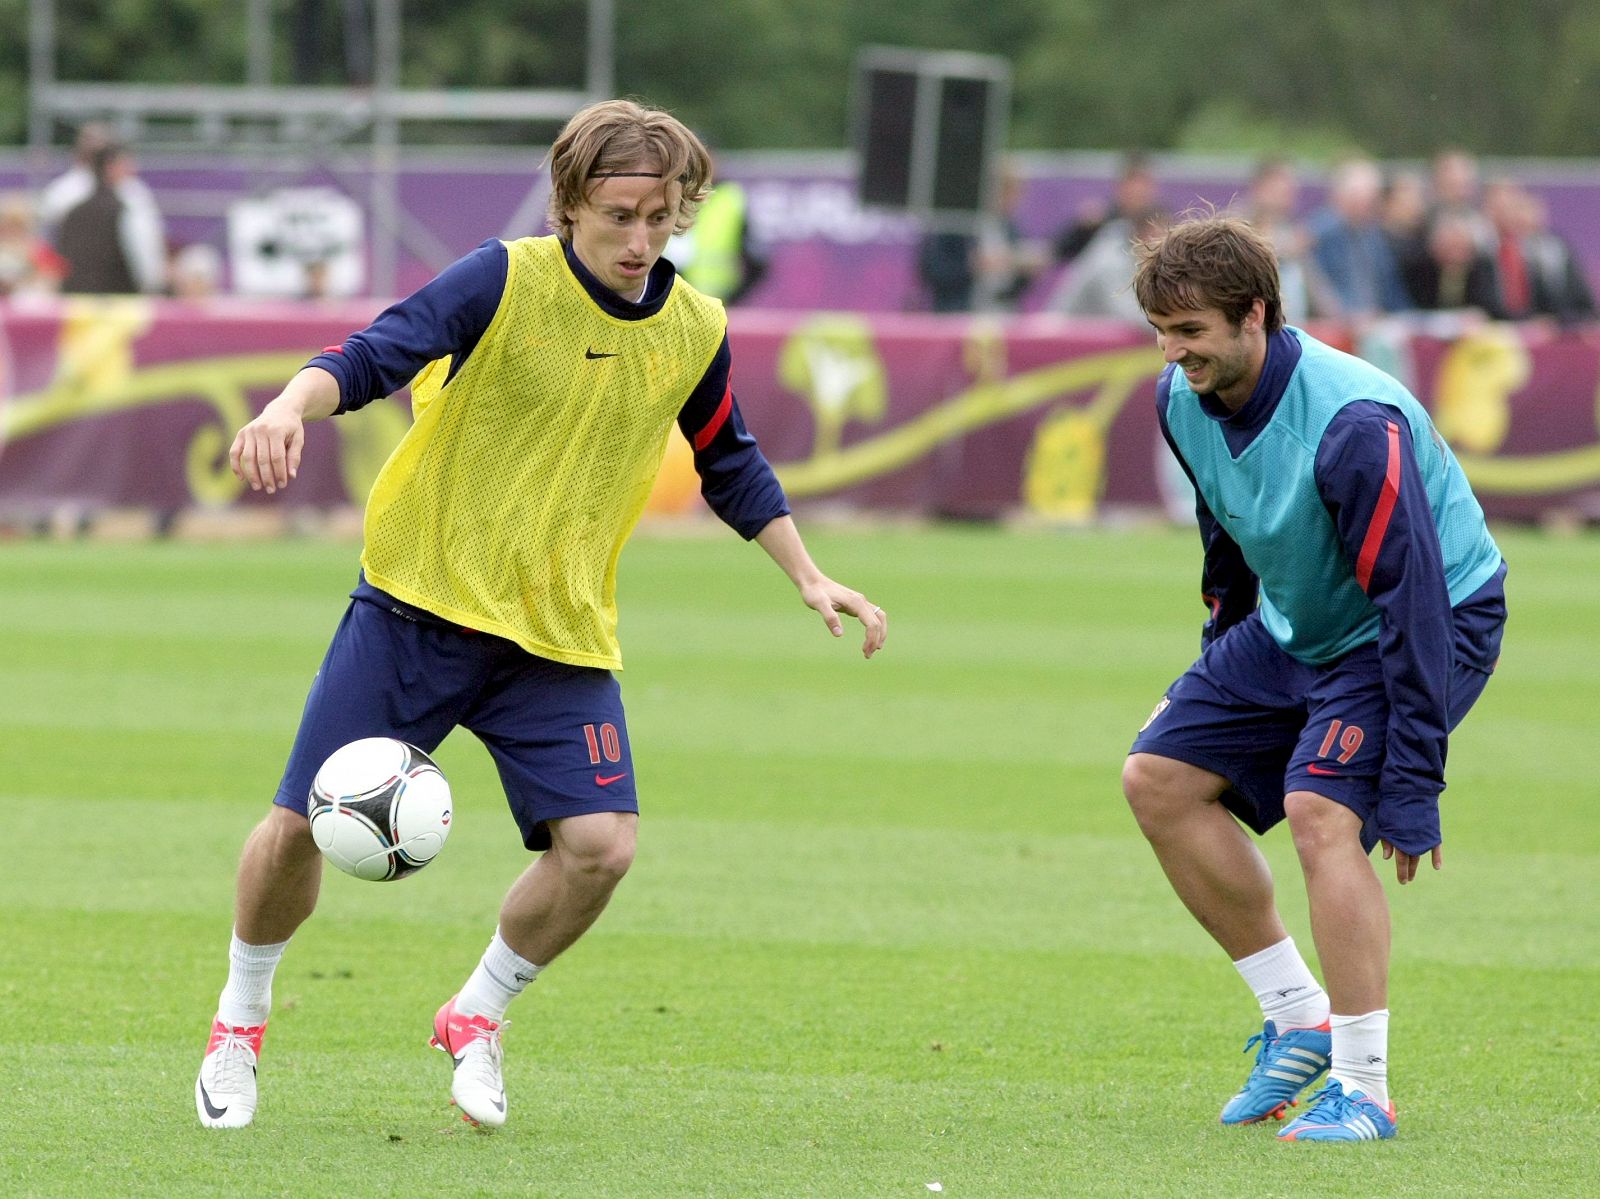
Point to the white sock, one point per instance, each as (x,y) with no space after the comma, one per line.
(501,975)
(1361,1054)
(247,997)
(1283,983)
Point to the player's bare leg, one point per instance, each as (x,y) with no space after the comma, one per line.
(1224,881)
(550,906)
(280,873)
(563,893)
(1350,921)
(1349,911)
(1211,862)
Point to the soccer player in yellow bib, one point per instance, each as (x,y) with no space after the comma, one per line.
(548,373)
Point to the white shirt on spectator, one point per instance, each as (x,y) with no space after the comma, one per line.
(143,235)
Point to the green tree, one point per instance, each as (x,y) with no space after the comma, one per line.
(1395,79)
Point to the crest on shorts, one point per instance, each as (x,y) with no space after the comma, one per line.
(1159,708)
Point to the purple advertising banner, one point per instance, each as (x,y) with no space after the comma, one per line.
(113,403)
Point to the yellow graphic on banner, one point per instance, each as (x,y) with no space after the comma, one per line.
(1066,467)
(833,363)
(851,356)
(95,375)
(1473,390)
(1472,410)
(95,352)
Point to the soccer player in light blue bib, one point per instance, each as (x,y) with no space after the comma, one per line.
(1357,604)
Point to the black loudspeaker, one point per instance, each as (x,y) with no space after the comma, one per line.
(928,129)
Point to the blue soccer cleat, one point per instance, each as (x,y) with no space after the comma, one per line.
(1286,1064)
(1337,1116)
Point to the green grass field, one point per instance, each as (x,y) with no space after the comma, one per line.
(890,925)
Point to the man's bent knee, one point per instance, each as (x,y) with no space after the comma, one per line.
(279,877)
(280,847)
(1160,790)
(287,833)
(1318,823)
(599,847)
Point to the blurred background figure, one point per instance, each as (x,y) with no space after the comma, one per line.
(1403,213)
(1006,262)
(1135,197)
(143,235)
(1560,287)
(195,272)
(1270,207)
(66,191)
(718,254)
(1099,282)
(28,266)
(318,278)
(1537,271)
(1349,245)
(1454,274)
(1456,182)
(112,244)
(1507,210)
(947,269)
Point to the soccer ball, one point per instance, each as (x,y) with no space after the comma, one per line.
(379,809)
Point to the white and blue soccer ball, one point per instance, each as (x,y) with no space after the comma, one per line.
(380,809)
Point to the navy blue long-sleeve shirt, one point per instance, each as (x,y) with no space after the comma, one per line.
(449,315)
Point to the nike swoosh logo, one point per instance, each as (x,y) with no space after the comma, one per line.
(591,355)
(605,780)
(500,1103)
(1315,769)
(212,1110)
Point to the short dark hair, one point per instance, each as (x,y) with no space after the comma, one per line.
(1210,261)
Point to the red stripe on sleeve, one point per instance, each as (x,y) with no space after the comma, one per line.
(1373,542)
(333,349)
(718,419)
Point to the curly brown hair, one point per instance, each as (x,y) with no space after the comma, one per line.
(616,136)
(1209,261)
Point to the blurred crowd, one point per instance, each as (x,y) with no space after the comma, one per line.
(96,229)
(1380,242)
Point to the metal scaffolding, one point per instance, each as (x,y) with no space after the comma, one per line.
(306,119)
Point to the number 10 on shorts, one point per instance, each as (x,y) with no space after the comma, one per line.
(604,741)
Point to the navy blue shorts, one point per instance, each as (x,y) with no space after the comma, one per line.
(1271,724)
(556,732)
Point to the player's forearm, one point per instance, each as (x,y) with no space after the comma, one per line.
(781,540)
(1414,647)
(1228,585)
(312,394)
(1415,644)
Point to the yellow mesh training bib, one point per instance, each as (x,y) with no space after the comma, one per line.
(506,505)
